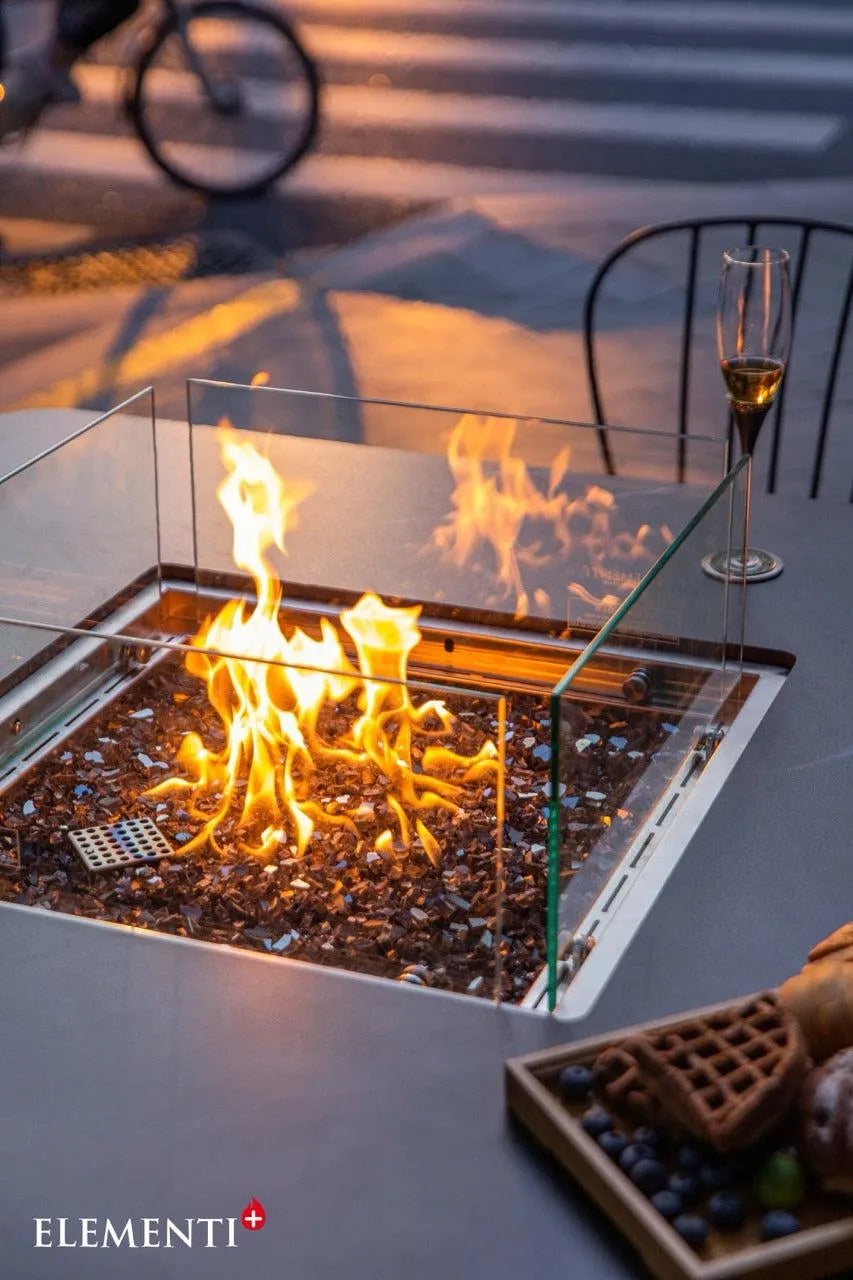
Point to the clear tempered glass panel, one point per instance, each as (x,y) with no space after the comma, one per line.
(369,519)
(496,514)
(78,523)
(175,492)
(629,713)
(360,826)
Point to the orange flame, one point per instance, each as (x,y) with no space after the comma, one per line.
(494,498)
(270,704)
(384,637)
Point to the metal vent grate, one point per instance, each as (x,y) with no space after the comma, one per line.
(120,845)
(200,254)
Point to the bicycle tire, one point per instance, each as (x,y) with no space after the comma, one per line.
(135,101)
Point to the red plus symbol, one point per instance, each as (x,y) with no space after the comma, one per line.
(253,1216)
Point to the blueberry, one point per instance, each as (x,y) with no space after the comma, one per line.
(778,1223)
(575,1082)
(716,1175)
(692,1229)
(648,1176)
(612,1143)
(668,1204)
(596,1121)
(689,1157)
(685,1186)
(727,1210)
(636,1151)
(648,1137)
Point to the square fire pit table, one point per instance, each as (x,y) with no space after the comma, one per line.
(420,693)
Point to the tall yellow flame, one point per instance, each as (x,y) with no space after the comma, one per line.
(269,692)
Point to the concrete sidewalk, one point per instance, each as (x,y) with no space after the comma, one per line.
(476,304)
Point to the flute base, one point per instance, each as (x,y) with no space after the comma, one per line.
(760,566)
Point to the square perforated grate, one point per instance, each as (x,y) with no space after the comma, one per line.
(120,845)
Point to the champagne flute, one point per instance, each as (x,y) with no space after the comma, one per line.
(753,337)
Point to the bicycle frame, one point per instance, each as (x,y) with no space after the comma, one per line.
(225,98)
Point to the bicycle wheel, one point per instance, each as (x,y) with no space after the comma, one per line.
(255,118)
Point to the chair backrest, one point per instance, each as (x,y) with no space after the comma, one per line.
(807,230)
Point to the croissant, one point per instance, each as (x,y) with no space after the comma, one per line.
(821,999)
(838,946)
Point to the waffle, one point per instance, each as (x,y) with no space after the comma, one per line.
(618,1079)
(728,1078)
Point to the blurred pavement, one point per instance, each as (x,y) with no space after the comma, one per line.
(434,100)
(476,304)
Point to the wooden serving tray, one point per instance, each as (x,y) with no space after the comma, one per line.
(822,1247)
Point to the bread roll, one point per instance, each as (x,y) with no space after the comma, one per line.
(821,999)
(827,1122)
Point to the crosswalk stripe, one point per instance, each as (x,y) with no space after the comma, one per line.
(90,155)
(382,49)
(116,159)
(361,106)
(378,48)
(622,15)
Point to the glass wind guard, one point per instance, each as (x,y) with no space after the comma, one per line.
(327,548)
(505,517)
(79,525)
(628,718)
(299,810)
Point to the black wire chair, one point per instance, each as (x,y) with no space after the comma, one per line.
(807,228)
